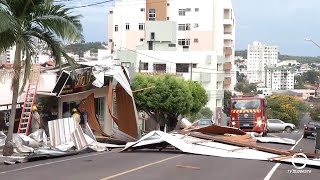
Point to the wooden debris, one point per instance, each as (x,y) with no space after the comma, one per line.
(279,158)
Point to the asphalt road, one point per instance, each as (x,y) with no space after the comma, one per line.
(146,165)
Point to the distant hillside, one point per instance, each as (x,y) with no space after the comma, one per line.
(300,59)
(80,48)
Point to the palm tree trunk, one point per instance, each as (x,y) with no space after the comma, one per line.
(8,148)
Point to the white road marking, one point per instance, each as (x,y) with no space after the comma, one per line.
(44,164)
(278,164)
(141,167)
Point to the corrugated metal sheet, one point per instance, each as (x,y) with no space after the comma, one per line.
(78,139)
(60,131)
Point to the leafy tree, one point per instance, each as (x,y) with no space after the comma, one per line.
(204,113)
(23,24)
(311,77)
(246,88)
(315,113)
(241,78)
(80,48)
(299,84)
(242,53)
(171,97)
(226,102)
(286,108)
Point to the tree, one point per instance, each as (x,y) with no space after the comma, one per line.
(299,84)
(315,113)
(246,88)
(286,108)
(171,97)
(226,102)
(204,113)
(80,48)
(24,24)
(241,78)
(311,77)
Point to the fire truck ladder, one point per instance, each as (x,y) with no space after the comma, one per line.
(26,116)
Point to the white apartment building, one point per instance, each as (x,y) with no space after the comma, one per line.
(279,77)
(205,67)
(203,71)
(8,56)
(200,27)
(258,57)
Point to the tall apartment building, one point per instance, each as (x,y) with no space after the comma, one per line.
(279,77)
(205,26)
(258,57)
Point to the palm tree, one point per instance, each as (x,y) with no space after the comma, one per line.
(23,24)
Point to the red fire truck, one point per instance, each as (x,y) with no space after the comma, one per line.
(248,113)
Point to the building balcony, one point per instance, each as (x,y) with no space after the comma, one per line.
(227,66)
(227,81)
(228,22)
(227,51)
(228,43)
(228,36)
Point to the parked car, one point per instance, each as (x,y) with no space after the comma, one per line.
(205,122)
(310,129)
(274,125)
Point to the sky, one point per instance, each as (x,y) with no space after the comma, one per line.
(284,23)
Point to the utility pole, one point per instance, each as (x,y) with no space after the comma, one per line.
(191,71)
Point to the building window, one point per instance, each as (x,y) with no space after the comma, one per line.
(182,68)
(127,26)
(196,25)
(116,28)
(184,42)
(196,40)
(184,27)
(171,45)
(150,45)
(168,18)
(194,65)
(110,12)
(168,4)
(141,39)
(144,66)
(141,26)
(152,36)
(182,12)
(142,9)
(188,9)
(159,67)
(196,9)
(152,14)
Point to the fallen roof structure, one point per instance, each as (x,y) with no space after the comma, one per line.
(212,146)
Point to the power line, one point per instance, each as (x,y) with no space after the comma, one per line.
(134,2)
(93,4)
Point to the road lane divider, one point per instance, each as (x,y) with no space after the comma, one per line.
(278,164)
(141,167)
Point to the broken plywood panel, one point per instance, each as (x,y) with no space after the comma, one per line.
(212,148)
(214,129)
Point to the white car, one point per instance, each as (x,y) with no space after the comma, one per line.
(278,125)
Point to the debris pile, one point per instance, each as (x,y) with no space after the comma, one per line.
(222,142)
(65,139)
